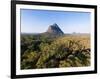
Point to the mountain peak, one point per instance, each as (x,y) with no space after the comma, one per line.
(54,29)
(54,24)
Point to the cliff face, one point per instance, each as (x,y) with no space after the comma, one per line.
(54,29)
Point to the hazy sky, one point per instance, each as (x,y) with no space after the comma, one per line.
(38,21)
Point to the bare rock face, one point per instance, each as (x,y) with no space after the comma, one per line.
(54,29)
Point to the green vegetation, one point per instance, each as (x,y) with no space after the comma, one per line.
(40,51)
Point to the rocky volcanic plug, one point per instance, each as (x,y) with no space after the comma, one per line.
(54,29)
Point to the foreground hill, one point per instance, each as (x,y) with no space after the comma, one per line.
(67,50)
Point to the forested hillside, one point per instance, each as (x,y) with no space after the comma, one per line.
(43,51)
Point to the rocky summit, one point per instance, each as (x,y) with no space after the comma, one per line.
(54,29)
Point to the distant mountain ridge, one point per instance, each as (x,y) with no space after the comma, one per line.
(54,29)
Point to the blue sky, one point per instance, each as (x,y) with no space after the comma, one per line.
(38,21)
